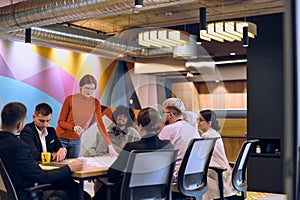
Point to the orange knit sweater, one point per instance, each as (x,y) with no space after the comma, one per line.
(79,110)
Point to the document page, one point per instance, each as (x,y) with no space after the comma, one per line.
(98,161)
(101,161)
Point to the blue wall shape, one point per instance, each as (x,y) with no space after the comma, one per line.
(15,91)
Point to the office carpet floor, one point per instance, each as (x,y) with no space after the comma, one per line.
(89,187)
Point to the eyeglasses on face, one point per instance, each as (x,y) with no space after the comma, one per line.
(201,120)
(163,112)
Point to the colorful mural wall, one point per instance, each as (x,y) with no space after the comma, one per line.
(32,74)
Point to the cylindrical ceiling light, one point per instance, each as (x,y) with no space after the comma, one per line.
(202,19)
(138,3)
(245,36)
(28,35)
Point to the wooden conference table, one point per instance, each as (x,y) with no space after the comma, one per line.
(96,166)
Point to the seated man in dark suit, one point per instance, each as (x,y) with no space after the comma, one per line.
(23,170)
(149,124)
(40,137)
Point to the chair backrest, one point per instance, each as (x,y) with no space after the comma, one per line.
(239,181)
(148,174)
(192,175)
(7,190)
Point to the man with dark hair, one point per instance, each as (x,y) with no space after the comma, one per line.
(123,131)
(40,137)
(13,116)
(23,170)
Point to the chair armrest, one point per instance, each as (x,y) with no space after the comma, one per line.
(34,191)
(231,164)
(218,169)
(37,187)
(219,172)
(105,181)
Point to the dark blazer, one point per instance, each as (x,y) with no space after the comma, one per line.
(146,143)
(31,137)
(115,172)
(23,170)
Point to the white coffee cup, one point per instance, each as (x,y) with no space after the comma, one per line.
(84,163)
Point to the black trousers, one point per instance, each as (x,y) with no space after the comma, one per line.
(66,190)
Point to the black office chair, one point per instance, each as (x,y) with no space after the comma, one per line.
(148,175)
(7,190)
(192,175)
(239,181)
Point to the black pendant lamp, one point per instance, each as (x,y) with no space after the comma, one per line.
(202,18)
(28,35)
(138,3)
(245,36)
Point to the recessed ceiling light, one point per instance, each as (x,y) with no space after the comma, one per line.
(232,53)
(231,61)
(189,74)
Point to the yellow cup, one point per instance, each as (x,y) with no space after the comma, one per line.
(46,157)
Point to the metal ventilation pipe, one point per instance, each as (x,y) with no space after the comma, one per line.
(41,13)
(46,12)
(37,13)
(85,41)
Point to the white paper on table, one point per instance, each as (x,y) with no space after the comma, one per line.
(101,161)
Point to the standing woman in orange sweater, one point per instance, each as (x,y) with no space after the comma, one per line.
(77,114)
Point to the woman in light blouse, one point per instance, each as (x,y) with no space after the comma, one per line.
(209,124)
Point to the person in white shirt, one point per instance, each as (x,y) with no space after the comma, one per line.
(176,130)
(209,124)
